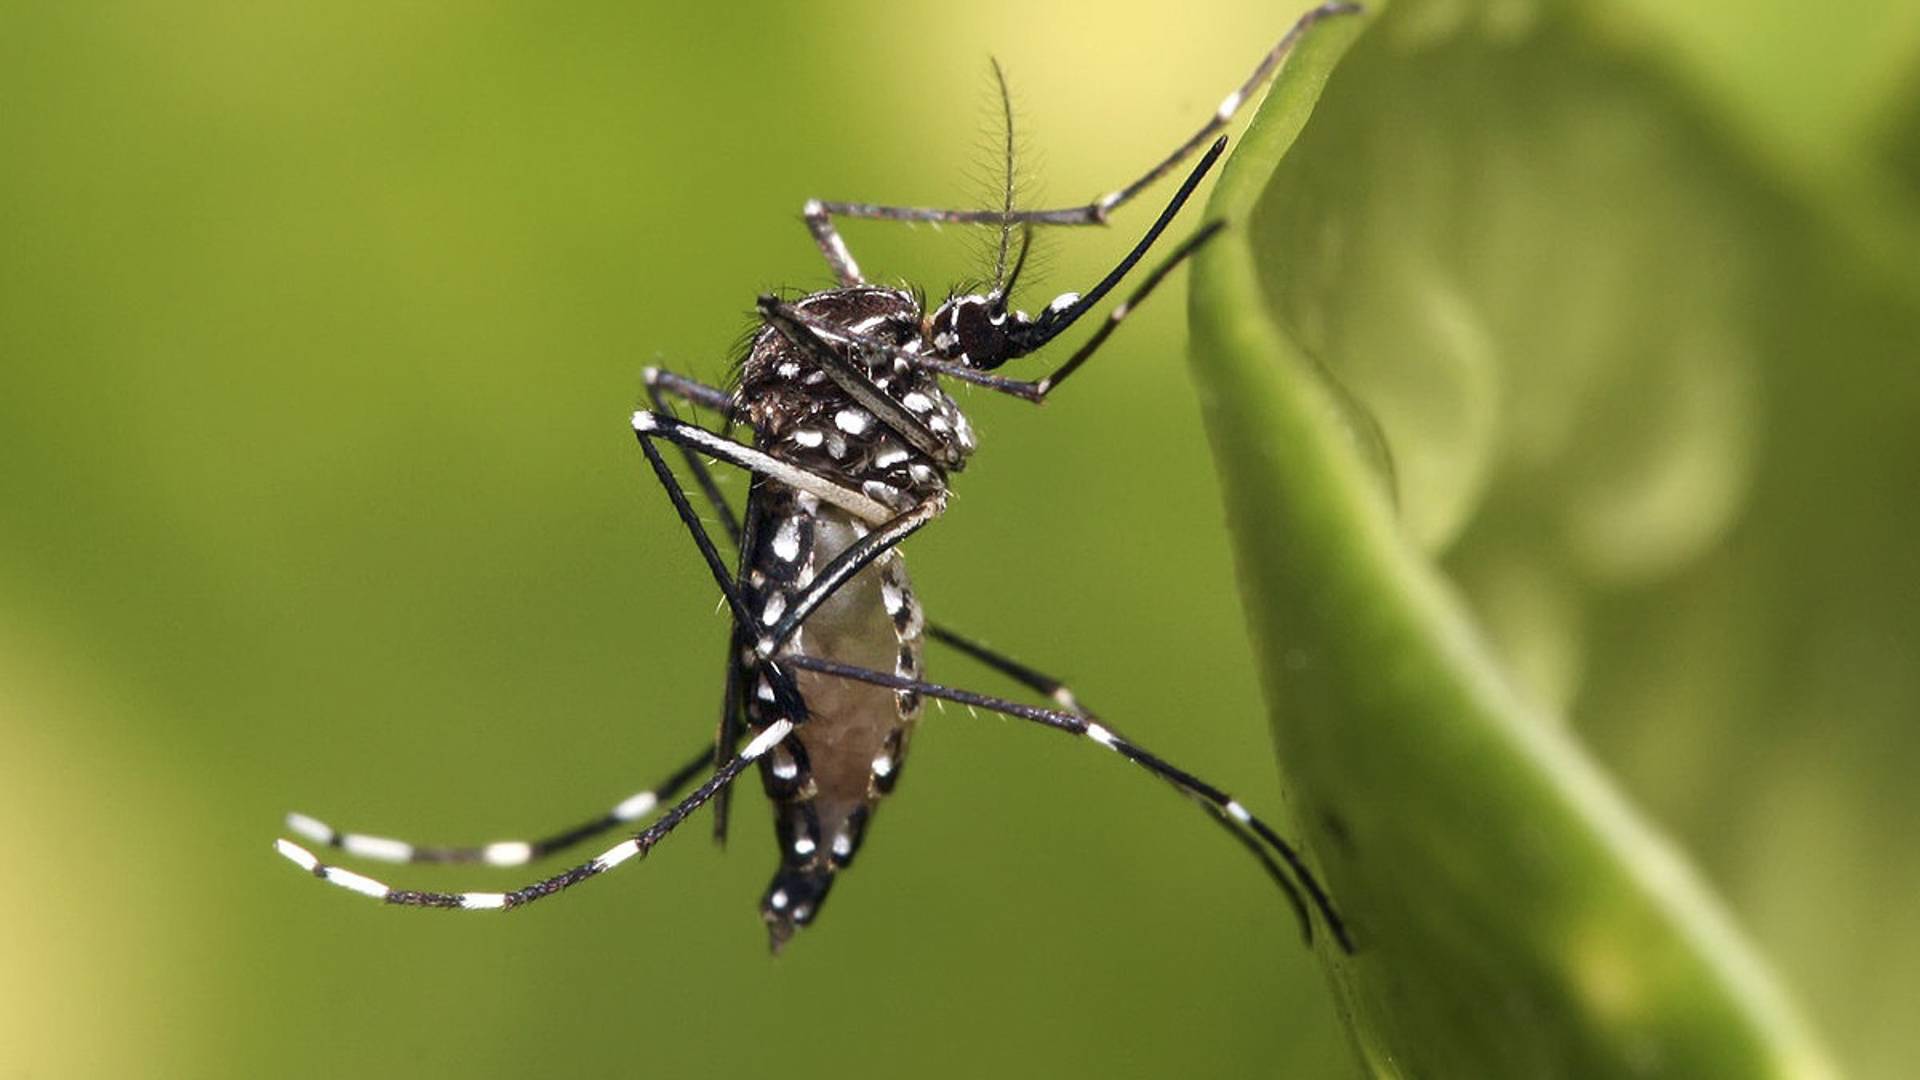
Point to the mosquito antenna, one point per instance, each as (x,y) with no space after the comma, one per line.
(1001,282)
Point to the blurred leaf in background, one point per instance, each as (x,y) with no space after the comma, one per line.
(320,330)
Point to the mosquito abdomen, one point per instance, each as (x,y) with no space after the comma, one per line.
(826,781)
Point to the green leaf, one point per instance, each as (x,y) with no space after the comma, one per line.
(1478,350)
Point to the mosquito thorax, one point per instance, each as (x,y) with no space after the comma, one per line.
(800,412)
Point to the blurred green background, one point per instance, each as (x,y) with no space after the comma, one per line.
(321,328)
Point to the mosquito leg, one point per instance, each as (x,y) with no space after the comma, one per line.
(841,569)
(819,220)
(639,844)
(831,577)
(786,695)
(1080,724)
(1050,324)
(820,214)
(650,425)
(1229,105)
(500,852)
(1121,310)
(892,528)
(1036,391)
(693,391)
(728,735)
(663,384)
(827,344)
(1067,310)
(1062,695)
(816,340)
(1038,682)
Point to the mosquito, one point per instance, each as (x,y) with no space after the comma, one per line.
(854,440)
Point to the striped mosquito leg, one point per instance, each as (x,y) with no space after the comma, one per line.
(819,220)
(1068,308)
(639,844)
(845,565)
(1063,696)
(892,528)
(1036,391)
(827,346)
(1232,809)
(1121,310)
(1095,212)
(690,390)
(650,425)
(786,695)
(1037,681)
(501,852)
(1229,105)
(1076,723)
(727,735)
(662,384)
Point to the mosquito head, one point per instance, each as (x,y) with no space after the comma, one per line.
(978,330)
(975,330)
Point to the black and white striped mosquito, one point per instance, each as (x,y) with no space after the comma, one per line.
(854,439)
